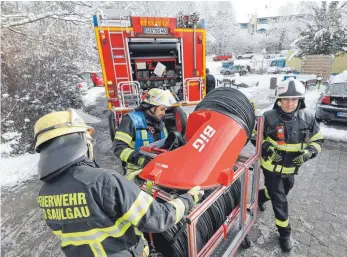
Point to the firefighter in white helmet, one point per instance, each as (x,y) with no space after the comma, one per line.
(95,211)
(141,127)
(291,138)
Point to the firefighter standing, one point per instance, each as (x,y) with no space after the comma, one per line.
(291,138)
(93,211)
(141,127)
(210,81)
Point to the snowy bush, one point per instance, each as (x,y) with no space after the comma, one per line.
(34,87)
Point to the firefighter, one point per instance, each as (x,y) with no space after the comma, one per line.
(141,127)
(291,138)
(94,211)
(210,81)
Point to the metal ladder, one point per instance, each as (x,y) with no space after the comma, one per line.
(117,79)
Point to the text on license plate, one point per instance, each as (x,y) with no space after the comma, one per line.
(341,114)
(156,31)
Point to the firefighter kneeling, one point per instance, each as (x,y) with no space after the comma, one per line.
(141,127)
(291,138)
(94,211)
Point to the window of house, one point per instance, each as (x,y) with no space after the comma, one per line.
(262,21)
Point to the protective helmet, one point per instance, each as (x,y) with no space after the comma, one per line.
(159,97)
(290,88)
(57,124)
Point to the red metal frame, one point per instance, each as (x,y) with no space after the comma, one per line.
(247,211)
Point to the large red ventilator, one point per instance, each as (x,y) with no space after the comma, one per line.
(208,155)
(216,133)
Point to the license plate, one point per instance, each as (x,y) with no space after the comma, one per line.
(342,114)
(156,31)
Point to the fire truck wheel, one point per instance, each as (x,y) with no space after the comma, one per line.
(181,120)
(112,125)
(246,243)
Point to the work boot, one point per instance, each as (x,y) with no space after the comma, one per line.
(261,205)
(285,244)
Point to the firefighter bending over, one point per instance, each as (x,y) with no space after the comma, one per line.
(291,138)
(95,211)
(141,127)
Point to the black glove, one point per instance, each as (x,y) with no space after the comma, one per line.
(143,161)
(305,155)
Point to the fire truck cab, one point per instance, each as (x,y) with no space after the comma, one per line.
(140,53)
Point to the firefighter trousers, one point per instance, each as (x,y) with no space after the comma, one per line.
(277,187)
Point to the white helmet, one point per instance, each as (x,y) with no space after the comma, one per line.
(290,88)
(159,97)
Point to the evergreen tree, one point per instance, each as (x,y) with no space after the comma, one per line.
(326,34)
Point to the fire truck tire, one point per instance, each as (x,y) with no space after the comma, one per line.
(112,125)
(246,243)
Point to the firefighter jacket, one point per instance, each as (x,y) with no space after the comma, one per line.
(98,213)
(300,131)
(210,83)
(136,129)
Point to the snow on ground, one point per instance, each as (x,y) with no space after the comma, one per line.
(92,94)
(15,170)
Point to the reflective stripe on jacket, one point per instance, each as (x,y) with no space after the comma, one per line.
(131,135)
(97,213)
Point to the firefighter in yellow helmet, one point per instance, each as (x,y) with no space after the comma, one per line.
(291,138)
(95,211)
(141,127)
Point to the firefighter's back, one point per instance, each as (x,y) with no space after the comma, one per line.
(80,210)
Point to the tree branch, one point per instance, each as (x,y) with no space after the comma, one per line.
(33,19)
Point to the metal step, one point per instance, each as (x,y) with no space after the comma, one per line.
(118,48)
(122,63)
(118,56)
(122,77)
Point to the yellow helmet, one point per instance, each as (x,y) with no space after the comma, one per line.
(159,97)
(57,124)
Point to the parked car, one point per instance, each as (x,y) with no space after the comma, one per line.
(332,104)
(222,57)
(82,85)
(246,55)
(236,69)
(272,56)
(93,78)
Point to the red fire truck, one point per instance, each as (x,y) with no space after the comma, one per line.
(139,53)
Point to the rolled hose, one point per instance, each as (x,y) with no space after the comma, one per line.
(233,103)
(174,242)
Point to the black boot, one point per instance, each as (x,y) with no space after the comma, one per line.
(261,205)
(285,244)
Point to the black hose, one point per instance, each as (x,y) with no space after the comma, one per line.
(174,242)
(233,103)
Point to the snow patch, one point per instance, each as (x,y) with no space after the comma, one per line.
(92,95)
(16,170)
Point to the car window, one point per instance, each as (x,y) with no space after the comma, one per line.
(337,89)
